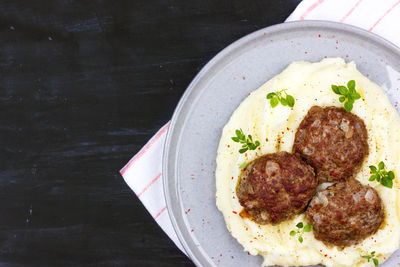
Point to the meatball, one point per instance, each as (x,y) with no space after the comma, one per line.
(345,213)
(275,187)
(333,141)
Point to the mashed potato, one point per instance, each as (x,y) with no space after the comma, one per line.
(310,84)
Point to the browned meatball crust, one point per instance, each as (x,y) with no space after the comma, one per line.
(345,213)
(275,187)
(333,141)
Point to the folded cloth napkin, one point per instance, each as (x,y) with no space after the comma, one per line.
(143,172)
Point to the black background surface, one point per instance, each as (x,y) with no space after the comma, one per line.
(83,86)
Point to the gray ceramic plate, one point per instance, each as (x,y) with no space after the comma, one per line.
(193,137)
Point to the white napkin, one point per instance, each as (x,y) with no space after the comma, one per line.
(378,16)
(143,172)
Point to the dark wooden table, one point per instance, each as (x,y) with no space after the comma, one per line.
(83,86)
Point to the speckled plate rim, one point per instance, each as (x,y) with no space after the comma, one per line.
(170,154)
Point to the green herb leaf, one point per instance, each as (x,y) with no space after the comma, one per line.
(308,228)
(270,95)
(278,97)
(348,94)
(335,89)
(355,95)
(274,102)
(387,182)
(348,106)
(247,143)
(374,177)
(290,100)
(235,139)
(381,165)
(381,175)
(373,169)
(371,256)
(351,85)
(343,90)
(242,150)
(299,226)
(283,101)
(239,133)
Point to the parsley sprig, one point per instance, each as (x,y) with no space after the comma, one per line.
(371,257)
(381,175)
(299,232)
(247,143)
(348,93)
(276,97)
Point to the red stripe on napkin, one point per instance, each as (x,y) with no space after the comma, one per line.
(160,212)
(149,185)
(384,15)
(311,8)
(351,11)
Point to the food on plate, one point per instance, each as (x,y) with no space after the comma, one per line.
(347,94)
(247,142)
(345,213)
(381,175)
(276,187)
(281,97)
(333,141)
(367,133)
